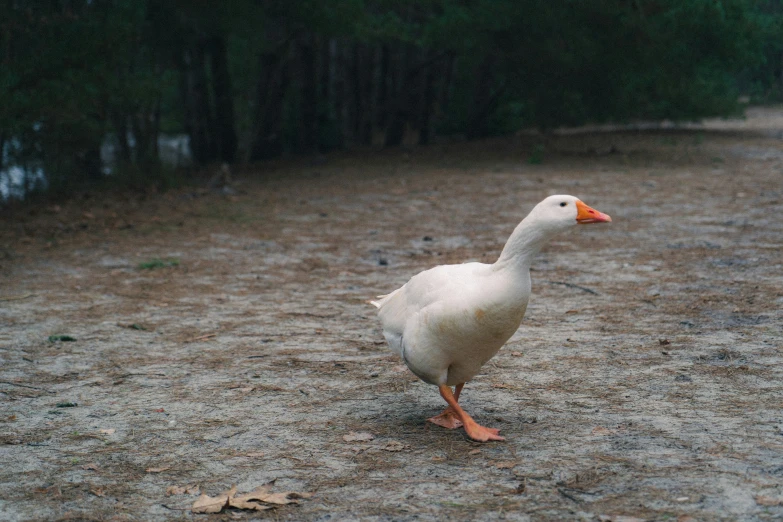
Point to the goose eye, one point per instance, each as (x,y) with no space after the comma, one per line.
(563,204)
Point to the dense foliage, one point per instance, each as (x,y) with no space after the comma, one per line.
(253,79)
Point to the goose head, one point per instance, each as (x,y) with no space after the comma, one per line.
(563,211)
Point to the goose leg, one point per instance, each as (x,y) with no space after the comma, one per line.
(449,418)
(472,428)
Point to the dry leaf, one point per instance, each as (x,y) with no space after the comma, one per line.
(249,500)
(175,490)
(157,470)
(182,490)
(600,430)
(98,492)
(516,354)
(255,500)
(109,431)
(505,465)
(358,436)
(241,503)
(394,445)
(207,504)
(91,466)
(763,500)
(474,452)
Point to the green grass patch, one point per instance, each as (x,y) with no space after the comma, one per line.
(537,155)
(158,263)
(62,338)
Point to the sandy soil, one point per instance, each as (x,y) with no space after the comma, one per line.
(646,380)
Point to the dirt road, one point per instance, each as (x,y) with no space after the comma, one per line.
(224,338)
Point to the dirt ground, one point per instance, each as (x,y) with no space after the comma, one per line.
(646,380)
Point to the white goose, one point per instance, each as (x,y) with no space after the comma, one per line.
(446,322)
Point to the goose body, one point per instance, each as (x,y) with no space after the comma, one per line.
(448,321)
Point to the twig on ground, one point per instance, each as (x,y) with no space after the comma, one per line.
(571,285)
(200,338)
(16,297)
(24,386)
(568,496)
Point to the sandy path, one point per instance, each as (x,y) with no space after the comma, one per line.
(657,394)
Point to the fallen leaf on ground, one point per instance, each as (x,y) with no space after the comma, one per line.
(474,452)
(207,504)
(98,492)
(182,490)
(256,500)
(516,354)
(157,470)
(109,431)
(91,466)
(763,500)
(394,445)
(600,430)
(358,436)
(53,491)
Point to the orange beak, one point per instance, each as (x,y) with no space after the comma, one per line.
(585,214)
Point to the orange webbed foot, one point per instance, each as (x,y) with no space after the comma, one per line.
(482,434)
(448,419)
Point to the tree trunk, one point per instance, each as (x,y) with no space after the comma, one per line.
(445,88)
(343,93)
(383,88)
(308,96)
(120,123)
(195,95)
(427,101)
(366,82)
(224,132)
(266,140)
(484,100)
(90,162)
(403,99)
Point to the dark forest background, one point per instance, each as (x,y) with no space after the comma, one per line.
(250,80)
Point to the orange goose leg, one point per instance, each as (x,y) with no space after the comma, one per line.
(449,419)
(472,428)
